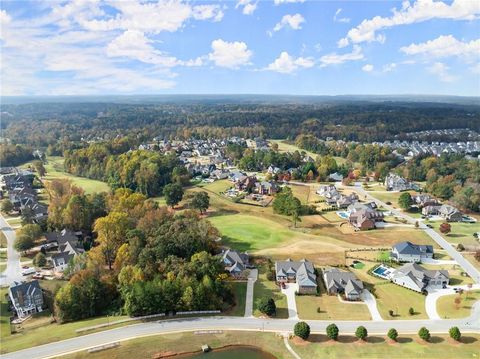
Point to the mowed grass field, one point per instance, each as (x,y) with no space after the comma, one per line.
(240,291)
(460,232)
(54,167)
(447,308)
(284,146)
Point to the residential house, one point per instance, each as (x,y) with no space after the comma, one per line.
(450,213)
(235,262)
(27,298)
(268,188)
(409,252)
(327,191)
(431,210)
(64,236)
(419,279)
(365,219)
(338,282)
(67,252)
(246,184)
(336,177)
(301,272)
(423,200)
(394,182)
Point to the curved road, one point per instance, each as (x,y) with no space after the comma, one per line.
(14,270)
(467,325)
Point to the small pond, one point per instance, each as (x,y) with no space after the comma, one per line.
(234,352)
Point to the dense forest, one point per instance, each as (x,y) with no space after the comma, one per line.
(43,124)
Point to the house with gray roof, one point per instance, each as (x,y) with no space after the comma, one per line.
(394,182)
(415,277)
(450,213)
(338,282)
(410,252)
(235,262)
(300,272)
(27,298)
(67,252)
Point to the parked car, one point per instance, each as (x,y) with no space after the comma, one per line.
(28,271)
(429,226)
(37,275)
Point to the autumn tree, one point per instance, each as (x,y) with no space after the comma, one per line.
(445,228)
(39,167)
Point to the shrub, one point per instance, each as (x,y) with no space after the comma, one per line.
(411,311)
(392,334)
(40,260)
(424,333)
(302,330)
(455,333)
(318,310)
(361,332)
(267,306)
(332,332)
(270,275)
(390,312)
(460,247)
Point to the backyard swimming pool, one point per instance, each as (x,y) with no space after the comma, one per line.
(342,214)
(383,271)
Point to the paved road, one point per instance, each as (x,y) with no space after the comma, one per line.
(468,325)
(252,278)
(452,252)
(14,269)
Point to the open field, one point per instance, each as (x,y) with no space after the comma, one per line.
(377,346)
(447,308)
(386,196)
(54,167)
(240,292)
(284,146)
(265,288)
(149,347)
(388,294)
(460,232)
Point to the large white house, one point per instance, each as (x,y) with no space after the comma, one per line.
(409,252)
(419,279)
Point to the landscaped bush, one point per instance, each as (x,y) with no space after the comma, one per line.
(392,334)
(332,332)
(267,306)
(302,330)
(424,333)
(455,333)
(361,332)
(411,311)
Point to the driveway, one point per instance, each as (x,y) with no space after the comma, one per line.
(432,297)
(252,278)
(289,291)
(13,273)
(371,303)
(438,261)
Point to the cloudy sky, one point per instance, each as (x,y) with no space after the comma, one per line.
(243,46)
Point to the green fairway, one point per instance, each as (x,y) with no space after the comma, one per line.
(55,170)
(244,232)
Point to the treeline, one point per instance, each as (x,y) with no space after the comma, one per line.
(43,124)
(14,155)
(146,260)
(141,171)
(449,177)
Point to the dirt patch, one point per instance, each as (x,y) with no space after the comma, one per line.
(299,341)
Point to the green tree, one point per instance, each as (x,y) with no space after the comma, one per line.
(39,167)
(27,216)
(40,260)
(7,206)
(302,330)
(332,332)
(23,243)
(411,311)
(405,201)
(455,333)
(173,193)
(361,332)
(267,306)
(34,231)
(424,333)
(392,334)
(200,201)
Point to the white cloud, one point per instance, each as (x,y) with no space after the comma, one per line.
(336,59)
(344,20)
(421,10)
(279,2)
(389,67)
(230,54)
(249,6)
(206,12)
(287,64)
(367,68)
(441,70)
(445,46)
(294,21)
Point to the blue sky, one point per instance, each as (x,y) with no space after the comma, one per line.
(271,47)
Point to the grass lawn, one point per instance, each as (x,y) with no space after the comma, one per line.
(269,289)
(14,222)
(4,315)
(55,170)
(3,255)
(446,307)
(377,346)
(330,307)
(471,258)
(388,294)
(284,146)
(153,346)
(217,186)
(240,292)
(460,233)
(389,197)
(3,267)
(3,240)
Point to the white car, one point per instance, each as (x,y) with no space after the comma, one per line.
(28,271)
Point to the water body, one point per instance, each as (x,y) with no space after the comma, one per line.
(236,352)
